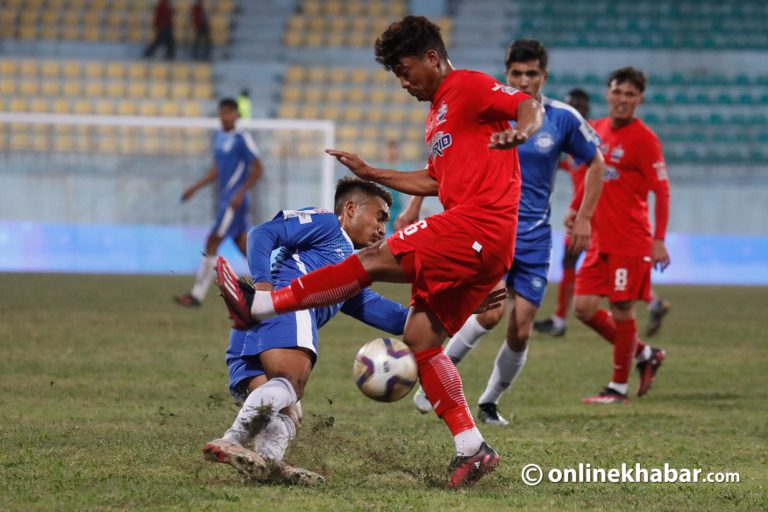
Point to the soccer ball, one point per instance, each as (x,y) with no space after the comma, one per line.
(385,369)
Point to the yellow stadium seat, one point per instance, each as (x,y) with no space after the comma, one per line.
(92,17)
(116,89)
(336,95)
(359,76)
(181,72)
(8,67)
(314,39)
(417,115)
(71,17)
(371,132)
(331,112)
(83,107)
(28,68)
(50,69)
(291,94)
(413,152)
(72,88)
(158,72)
(374,115)
(107,145)
(356,94)
(193,109)
(361,24)
(137,71)
(148,108)
(382,76)
(294,74)
(94,70)
(354,8)
(339,24)
(20,142)
(202,91)
(28,87)
(338,75)
(72,69)
(60,106)
(333,7)
(169,108)
(17,105)
(286,111)
(39,106)
(317,75)
(202,72)
(105,107)
(358,39)
(50,32)
(293,39)
(379,96)
(63,144)
(313,94)
(137,89)
(335,39)
(7,87)
(126,108)
(311,7)
(396,115)
(353,114)
(158,90)
(91,33)
(94,88)
(398,96)
(71,32)
(28,33)
(181,90)
(50,88)
(116,71)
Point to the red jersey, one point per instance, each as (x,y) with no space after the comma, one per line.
(478,184)
(634,166)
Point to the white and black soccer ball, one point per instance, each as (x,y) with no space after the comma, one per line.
(385,369)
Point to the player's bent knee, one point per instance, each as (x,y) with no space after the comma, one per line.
(491,318)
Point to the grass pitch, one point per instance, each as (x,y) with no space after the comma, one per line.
(108,392)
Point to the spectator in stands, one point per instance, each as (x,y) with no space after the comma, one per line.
(244,104)
(201,45)
(163,24)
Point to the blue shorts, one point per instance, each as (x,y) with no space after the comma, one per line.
(230,223)
(528,275)
(291,330)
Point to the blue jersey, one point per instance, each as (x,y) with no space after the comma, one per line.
(307,240)
(563,130)
(233,152)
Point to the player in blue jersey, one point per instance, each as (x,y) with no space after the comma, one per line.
(277,355)
(236,169)
(563,130)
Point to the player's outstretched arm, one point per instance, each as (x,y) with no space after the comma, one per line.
(415,183)
(581,230)
(208,178)
(530,115)
(410,214)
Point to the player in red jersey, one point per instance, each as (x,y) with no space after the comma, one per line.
(453,259)
(623,249)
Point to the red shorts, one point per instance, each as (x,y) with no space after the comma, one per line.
(618,277)
(452,273)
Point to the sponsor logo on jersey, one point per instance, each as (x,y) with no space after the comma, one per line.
(439,143)
(611,173)
(617,154)
(227,144)
(661,170)
(441,113)
(506,89)
(544,142)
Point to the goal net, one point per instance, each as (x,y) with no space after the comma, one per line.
(120,172)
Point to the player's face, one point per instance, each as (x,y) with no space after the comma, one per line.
(365,223)
(623,99)
(228,116)
(419,76)
(527,77)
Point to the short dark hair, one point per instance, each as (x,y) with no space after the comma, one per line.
(579,99)
(412,36)
(348,185)
(524,50)
(631,75)
(228,102)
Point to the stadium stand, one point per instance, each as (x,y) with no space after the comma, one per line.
(103,20)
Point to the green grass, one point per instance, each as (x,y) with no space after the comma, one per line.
(108,392)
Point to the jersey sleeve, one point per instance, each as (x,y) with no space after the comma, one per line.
(581,141)
(249,148)
(493,100)
(293,229)
(653,166)
(371,308)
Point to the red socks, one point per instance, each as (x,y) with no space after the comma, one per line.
(623,350)
(323,287)
(603,323)
(442,385)
(565,292)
